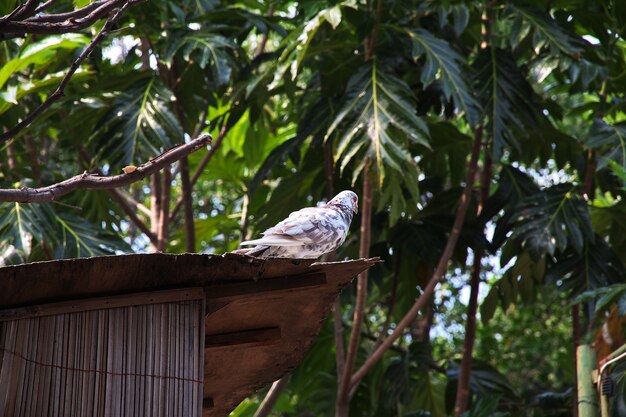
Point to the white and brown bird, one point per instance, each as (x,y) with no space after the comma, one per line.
(309,232)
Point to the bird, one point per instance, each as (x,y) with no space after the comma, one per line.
(309,232)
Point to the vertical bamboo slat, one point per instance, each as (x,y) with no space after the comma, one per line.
(139,360)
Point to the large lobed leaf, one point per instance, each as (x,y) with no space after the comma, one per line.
(597,266)
(609,140)
(442,59)
(139,125)
(24,226)
(546,31)
(507,97)
(553,220)
(377,119)
(207,49)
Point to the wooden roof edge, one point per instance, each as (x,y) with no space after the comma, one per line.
(369,261)
(64,280)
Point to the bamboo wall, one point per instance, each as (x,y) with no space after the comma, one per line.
(139,360)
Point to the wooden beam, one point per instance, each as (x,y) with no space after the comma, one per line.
(125,300)
(226,292)
(249,337)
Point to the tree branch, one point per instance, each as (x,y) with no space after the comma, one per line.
(44,6)
(164,216)
(26,9)
(343,391)
(392,300)
(200,168)
(271,397)
(61,88)
(190,231)
(59,23)
(442,266)
(126,202)
(123,204)
(465,370)
(87,181)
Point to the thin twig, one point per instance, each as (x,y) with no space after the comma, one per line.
(123,204)
(200,169)
(27,9)
(155,207)
(59,23)
(87,181)
(87,11)
(190,231)
(164,216)
(126,202)
(61,88)
(261,47)
(134,203)
(5,19)
(442,266)
(44,6)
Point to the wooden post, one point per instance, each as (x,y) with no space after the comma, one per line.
(587,396)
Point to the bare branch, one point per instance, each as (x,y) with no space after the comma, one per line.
(343,391)
(442,266)
(87,181)
(5,19)
(200,168)
(271,397)
(59,23)
(44,6)
(61,88)
(164,216)
(86,12)
(190,231)
(27,9)
(122,203)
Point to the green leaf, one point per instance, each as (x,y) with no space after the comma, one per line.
(26,225)
(489,305)
(41,53)
(79,238)
(377,119)
(508,99)
(21,224)
(596,267)
(139,125)
(610,142)
(10,96)
(548,31)
(443,60)
(207,49)
(551,221)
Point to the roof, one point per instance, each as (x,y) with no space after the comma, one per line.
(262,314)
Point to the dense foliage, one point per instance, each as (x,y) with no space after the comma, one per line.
(307,98)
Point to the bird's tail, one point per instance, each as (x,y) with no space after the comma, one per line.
(257,251)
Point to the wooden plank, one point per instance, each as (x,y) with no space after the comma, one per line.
(248,337)
(99,303)
(225,292)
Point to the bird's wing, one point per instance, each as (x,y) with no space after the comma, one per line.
(311,225)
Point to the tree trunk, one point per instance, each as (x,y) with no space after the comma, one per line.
(155,207)
(343,391)
(442,266)
(190,230)
(463,387)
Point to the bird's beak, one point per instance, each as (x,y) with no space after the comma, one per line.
(355,209)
